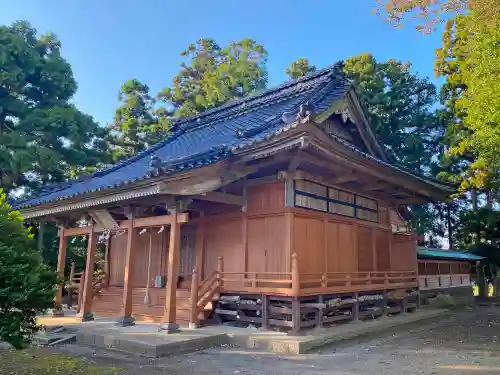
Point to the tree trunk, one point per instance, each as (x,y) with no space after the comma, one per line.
(489,199)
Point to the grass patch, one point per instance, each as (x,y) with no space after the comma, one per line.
(39,361)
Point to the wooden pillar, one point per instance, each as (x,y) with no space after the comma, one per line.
(86,310)
(193,320)
(169,324)
(61,263)
(126,318)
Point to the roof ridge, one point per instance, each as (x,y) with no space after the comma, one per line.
(309,76)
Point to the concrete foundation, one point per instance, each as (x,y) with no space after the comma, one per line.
(145,340)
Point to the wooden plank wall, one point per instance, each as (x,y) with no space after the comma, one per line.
(331,243)
(251,241)
(403,253)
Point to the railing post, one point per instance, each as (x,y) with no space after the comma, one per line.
(70,284)
(348,281)
(324,280)
(295,276)
(193,321)
(220,271)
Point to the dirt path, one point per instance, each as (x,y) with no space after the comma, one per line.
(465,343)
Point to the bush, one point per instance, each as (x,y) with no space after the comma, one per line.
(27,286)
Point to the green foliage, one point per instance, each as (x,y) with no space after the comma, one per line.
(480,232)
(399,106)
(213,76)
(299,68)
(27,286)
(480,101)
(469,60)
(136,125)
(210,76)
(43,137)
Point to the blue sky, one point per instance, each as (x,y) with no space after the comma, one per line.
(110,41)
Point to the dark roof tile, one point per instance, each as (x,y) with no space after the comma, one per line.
(210,136)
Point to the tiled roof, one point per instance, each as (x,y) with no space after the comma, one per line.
(211,136)
(429,180)
(423,253)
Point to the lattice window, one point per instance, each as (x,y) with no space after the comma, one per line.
(322,198)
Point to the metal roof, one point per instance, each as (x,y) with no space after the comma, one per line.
(426,253)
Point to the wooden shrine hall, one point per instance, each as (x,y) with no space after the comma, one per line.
(273,210)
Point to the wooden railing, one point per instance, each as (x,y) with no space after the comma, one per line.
(336,282)
(202,294)
(293,283)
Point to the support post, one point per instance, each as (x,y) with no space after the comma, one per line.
(295,276)
(355,308)
(265,312)
(61,263)
(169,324)
(88,295)
(295,316)
(385,300)
(319,313)
(194,321)
(126,318)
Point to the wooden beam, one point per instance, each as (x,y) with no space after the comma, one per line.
(157,221)
(88,292)
(61,263)
(126,318)
(371,187)
(77,231)
(353,176)
(143,222)
(169,324)
(225,198)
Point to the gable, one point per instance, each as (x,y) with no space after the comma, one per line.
(345,119)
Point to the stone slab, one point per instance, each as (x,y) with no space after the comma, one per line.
(149,343)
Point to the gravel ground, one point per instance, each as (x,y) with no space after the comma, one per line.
(465,343)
